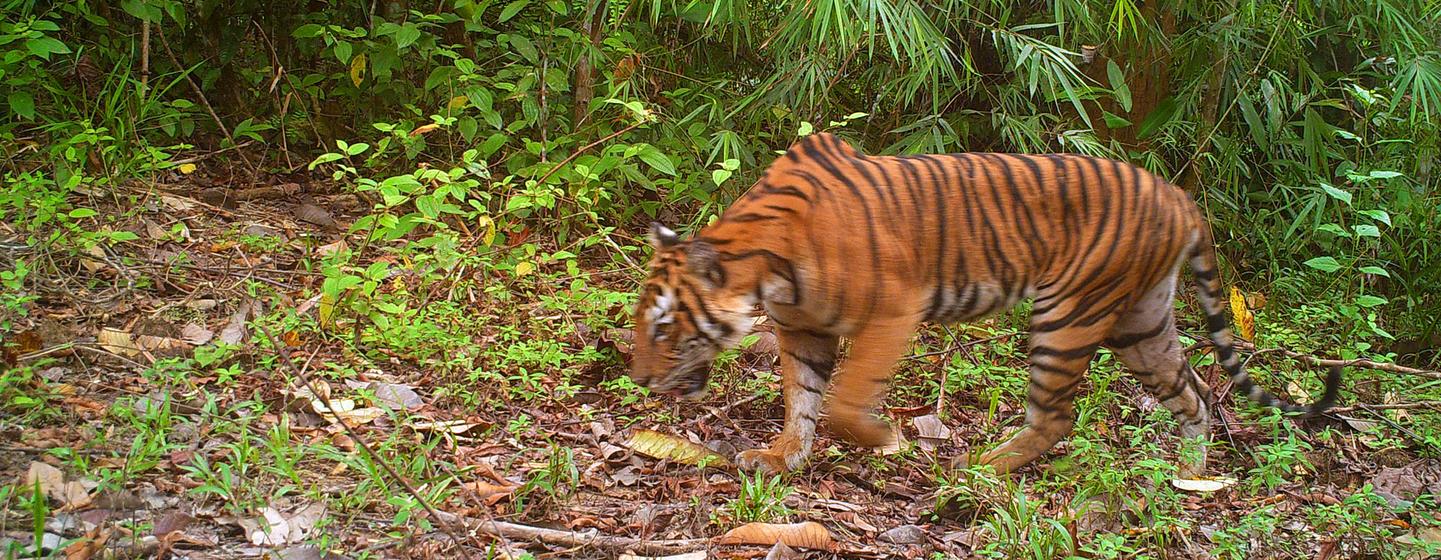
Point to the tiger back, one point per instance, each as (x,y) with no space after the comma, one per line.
(832,243)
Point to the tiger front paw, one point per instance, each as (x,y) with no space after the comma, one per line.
(764,461)
(865,430)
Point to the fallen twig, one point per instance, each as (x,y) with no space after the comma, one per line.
(1244,346)
(1430,405)
(560,537)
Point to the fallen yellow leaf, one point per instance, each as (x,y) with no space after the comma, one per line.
(671,448)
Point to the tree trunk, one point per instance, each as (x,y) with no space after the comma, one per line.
(591,26)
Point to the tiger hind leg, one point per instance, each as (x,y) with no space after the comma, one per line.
(807,360)
(1064,338)
(1145,341)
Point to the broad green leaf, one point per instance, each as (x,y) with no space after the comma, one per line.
(1370,301)
(82,213)
(1162,114)
(1118,86)
(22,103)
(719,176)
(406,35)
(1378,215)
(1325,264)
(1382,174)
(657,160)
(1367,230)
(342,51)
(308,30)
(491,144)
(1336,193)
(806,129)
(1375,270)
(512,8)
(43,47)
(1114,121)
(1335,229)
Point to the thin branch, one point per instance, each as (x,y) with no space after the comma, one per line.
(1324,362)
(203,100)
(559,537)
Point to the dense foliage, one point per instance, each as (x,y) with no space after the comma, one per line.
(1307,129)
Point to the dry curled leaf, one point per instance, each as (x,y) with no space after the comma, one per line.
(807,534)
(671,448)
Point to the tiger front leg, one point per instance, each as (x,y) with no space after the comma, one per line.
(807,360)
(863,382)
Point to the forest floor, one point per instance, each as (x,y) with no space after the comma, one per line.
(190,393)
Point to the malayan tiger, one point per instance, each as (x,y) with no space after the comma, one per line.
(832,243)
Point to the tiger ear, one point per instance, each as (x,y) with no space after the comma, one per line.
(662,237)
(779,289)
(702,261)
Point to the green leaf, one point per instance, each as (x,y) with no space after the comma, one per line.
(1378,271)
(656,159)
(1337,194)
(1253,121)
(1382,174)
(512,8)
(43,47)
(1367,230)
(22,103)
(468,127)
(557,6)
(82,213)
(406,36)
(1118,85)
(525,48)
(719,176)
(1114,121)
(1370,301)
(342,51)
(1162,114)
(492,144)
(356,148)
(325,158)
(805,129)
(1378,215)
(308,30)
(1334,228)
(1325,264)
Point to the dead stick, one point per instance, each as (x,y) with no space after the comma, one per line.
(576,539)
(1433,405)
(1325,362)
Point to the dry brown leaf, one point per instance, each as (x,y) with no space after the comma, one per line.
(807,534)
(275,528)
(196,335)
(671,448)
(310,213)
(117,342)
(234,331)
(178,203)
(71,494)
(85,548)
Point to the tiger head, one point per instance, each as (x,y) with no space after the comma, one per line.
(686,315)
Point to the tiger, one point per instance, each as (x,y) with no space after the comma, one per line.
(833,244)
